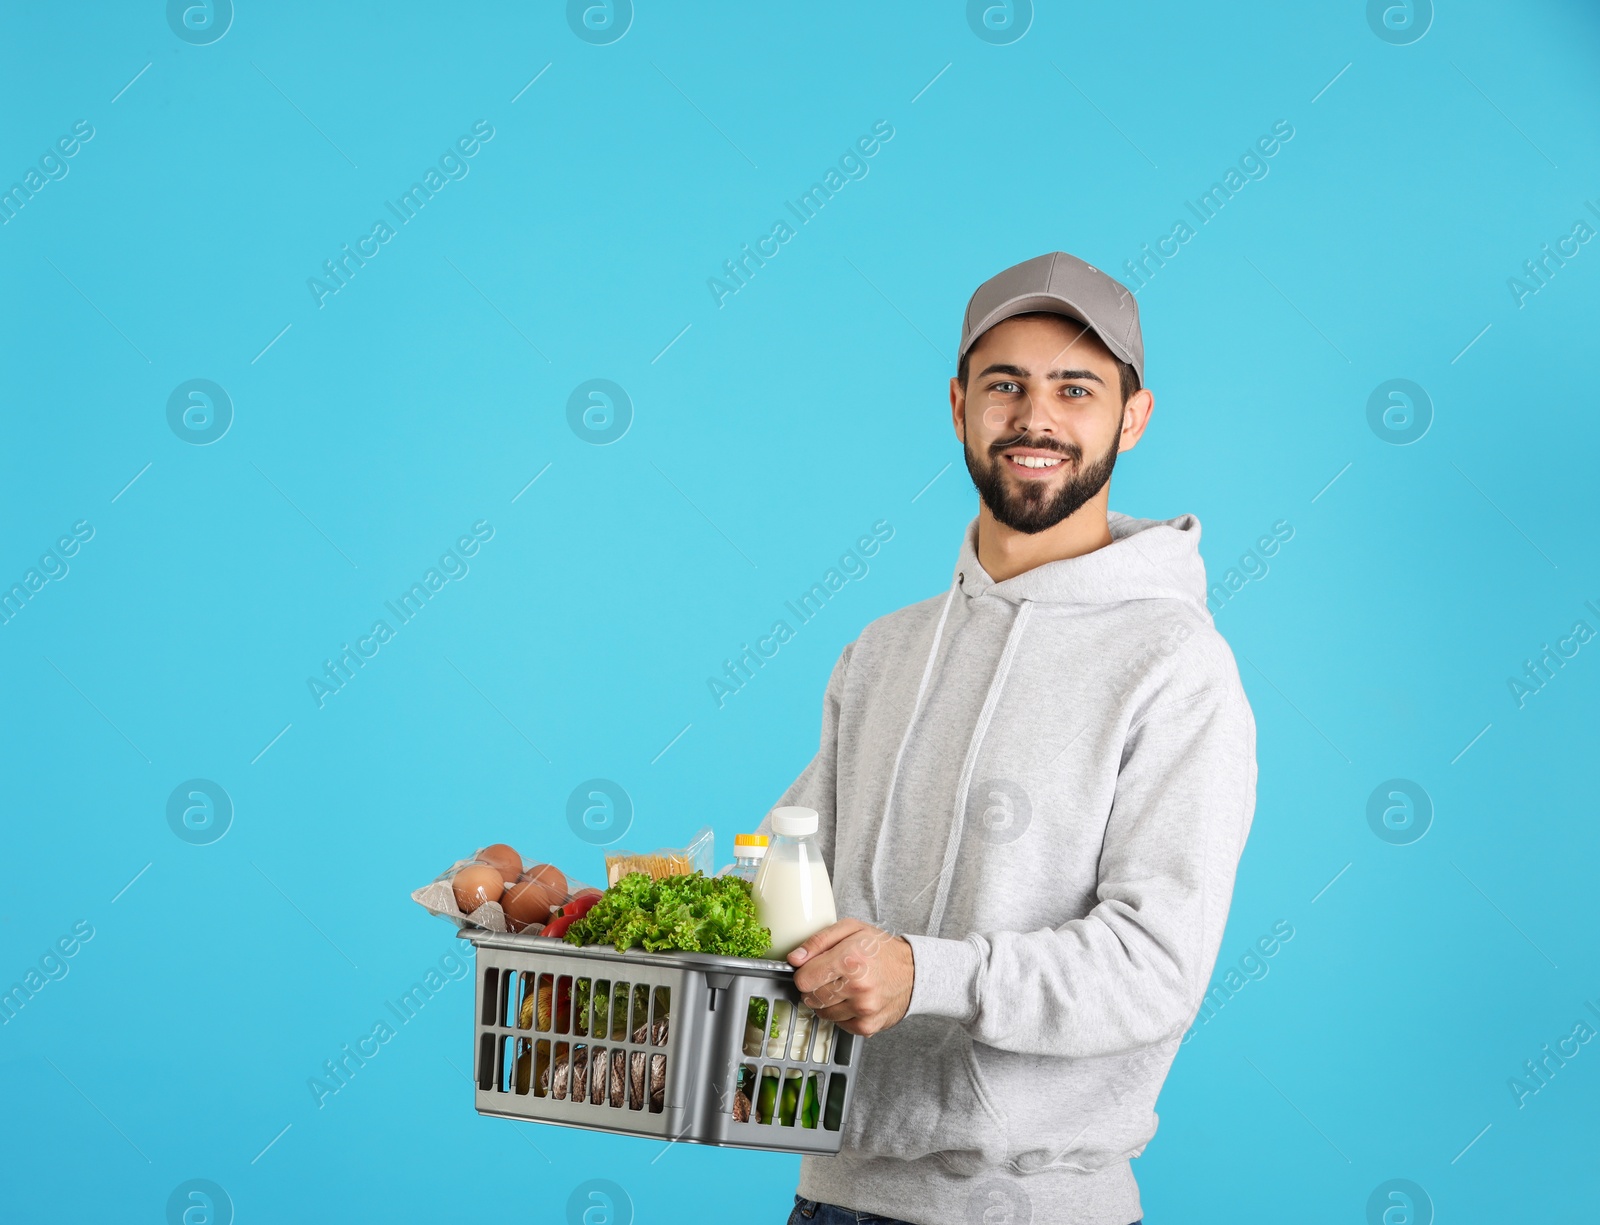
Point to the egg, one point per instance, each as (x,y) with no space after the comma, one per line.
(550,877)
(528,903)
(475,884)
(503,857)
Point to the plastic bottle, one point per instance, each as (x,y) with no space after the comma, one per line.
(748,852)
(793,894)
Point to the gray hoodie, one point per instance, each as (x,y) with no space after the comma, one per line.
(1045,785)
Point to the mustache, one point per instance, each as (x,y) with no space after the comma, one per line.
(1068,450)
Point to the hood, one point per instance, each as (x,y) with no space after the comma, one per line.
(1147,559)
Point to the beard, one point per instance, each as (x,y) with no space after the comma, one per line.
(1031,507)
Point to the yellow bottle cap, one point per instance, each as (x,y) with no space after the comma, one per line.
(749,840)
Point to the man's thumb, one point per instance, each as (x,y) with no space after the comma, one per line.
(823,940)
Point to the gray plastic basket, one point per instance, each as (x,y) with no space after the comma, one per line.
(662,1046)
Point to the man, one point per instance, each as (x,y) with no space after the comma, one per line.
(1033,794)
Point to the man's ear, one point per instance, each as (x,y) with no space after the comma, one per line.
(958,409)
(1135,416)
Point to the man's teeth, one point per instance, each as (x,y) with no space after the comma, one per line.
(1033,461)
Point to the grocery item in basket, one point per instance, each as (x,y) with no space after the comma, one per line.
(800,1041)
(547,1008)
(548,875)
(793,895)
(577,1074)
(476,884)
(786,1106)
(568,913)
(527,903)
(759,1037)
(504,858)
(617,1073)
(668,861)
(557,927)
(755,1026)
(571,1074)
(748,851)
(578,905)
(686,914)
(474,892)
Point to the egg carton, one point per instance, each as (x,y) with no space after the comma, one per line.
(437,897)
(656,1044)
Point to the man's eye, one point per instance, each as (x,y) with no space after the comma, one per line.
(1006,387)
(1075,392)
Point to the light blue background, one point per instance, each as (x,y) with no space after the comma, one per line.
(765,439)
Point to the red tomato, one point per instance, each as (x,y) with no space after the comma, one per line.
(557,927)
(580,905)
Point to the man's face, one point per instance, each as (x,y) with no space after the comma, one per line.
(1040,419)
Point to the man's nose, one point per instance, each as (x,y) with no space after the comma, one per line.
(1019,419)
(1016,417)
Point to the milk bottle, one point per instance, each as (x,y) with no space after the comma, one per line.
(792,892)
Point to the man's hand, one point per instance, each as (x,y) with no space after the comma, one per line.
(855,975)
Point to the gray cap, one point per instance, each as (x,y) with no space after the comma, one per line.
(1064,285)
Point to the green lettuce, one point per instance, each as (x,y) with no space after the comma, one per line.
(685,914)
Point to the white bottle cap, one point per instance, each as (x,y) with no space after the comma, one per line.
(794,822)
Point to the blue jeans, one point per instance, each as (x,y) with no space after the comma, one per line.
(810,1212)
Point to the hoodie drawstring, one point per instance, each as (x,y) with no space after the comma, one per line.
(894,774)
(992,699)
(985,715)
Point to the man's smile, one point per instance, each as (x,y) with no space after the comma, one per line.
(1032,463)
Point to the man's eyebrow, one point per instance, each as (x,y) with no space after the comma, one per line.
(1057,375)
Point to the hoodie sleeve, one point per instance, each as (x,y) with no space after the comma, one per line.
(1133,970)
(817,786)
